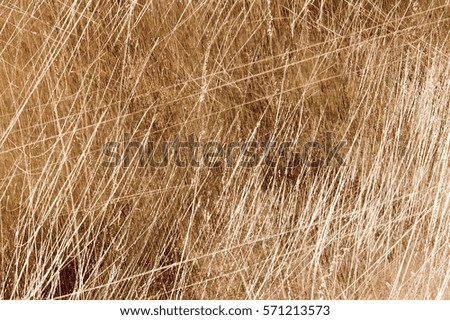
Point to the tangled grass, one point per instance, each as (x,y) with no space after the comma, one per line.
(76,74)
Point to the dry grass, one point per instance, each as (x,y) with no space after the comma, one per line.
(75,74)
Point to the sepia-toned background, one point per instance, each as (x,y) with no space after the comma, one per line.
(75,75)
